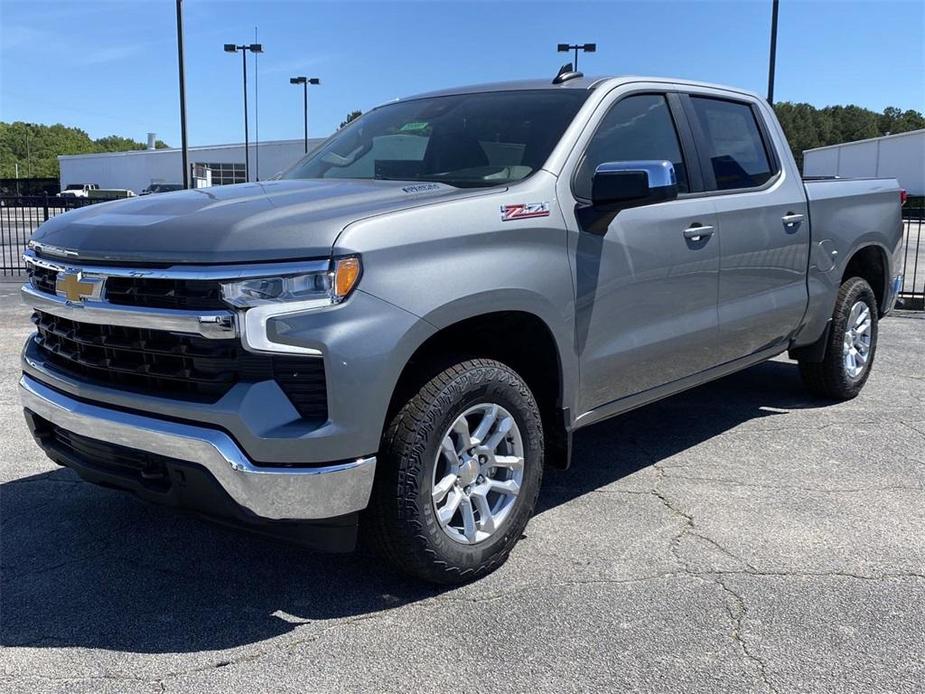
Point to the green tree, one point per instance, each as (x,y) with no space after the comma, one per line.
(894,121)
(35,148)
(353,115)
(807,127)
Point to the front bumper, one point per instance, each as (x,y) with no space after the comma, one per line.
(365,342)
(274,493)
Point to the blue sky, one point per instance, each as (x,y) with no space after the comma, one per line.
(110,67)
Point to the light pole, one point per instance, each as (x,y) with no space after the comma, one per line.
(184,155)
(253,48)
(584,47)
(305,81)
(773,58)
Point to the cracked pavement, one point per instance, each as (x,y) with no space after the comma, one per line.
(740,537)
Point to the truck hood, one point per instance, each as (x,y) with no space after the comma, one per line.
(249,222)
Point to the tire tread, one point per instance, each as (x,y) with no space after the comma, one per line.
(392,524)
(827,379)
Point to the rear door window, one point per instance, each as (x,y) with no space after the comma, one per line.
(736,151)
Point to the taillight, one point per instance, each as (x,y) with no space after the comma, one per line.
(903,196)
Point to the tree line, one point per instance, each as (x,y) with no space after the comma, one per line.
(807,127)
(36,147)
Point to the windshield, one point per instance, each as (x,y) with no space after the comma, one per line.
(465,140)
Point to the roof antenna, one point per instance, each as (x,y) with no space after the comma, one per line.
(566,72)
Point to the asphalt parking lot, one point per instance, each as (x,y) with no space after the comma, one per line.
(740,537)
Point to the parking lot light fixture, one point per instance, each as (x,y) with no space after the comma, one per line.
(305,81)
(584,47)
(244,48)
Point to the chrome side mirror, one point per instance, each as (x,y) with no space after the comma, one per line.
(633,183)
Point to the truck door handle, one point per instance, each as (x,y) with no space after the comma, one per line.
(696,232)
(791,220)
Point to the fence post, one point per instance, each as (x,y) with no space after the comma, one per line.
(45,208)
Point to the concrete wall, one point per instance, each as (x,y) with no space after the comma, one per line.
(138,169)
(893,156)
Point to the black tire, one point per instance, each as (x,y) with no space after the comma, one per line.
(830,378)
(401,522)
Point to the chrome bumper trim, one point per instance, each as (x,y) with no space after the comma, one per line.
(216,325)
(275,493)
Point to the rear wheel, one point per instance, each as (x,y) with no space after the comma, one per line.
(459,472)
(851,347)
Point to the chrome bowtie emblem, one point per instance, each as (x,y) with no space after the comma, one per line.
(75,286)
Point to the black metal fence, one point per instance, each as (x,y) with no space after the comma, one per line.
(30,186)
(20,216)
(912,289)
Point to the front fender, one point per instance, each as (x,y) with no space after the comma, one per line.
(456,259)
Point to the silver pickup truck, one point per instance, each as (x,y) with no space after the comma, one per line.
(400,333)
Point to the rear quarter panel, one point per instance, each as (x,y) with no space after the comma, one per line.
(846,216)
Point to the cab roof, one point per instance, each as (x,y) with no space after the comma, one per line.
(582,82)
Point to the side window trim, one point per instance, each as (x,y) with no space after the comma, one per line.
(692,159)
(769,151)
(700,141)
(685,151)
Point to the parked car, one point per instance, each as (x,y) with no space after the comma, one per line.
(161,188)
(78,190)
(402,332)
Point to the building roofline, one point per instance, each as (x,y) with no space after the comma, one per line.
(196,148)
(867,139)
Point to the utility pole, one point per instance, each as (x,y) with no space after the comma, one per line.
(773,57)
(184,145)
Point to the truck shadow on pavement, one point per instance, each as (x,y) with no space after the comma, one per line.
(85,566)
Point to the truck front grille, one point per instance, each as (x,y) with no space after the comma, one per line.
(157,362)
(165,293)
(148,292)
(43,278)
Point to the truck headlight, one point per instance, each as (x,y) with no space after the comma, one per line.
(322,288)
(260,299)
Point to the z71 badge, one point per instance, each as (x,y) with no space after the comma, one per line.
(524,210)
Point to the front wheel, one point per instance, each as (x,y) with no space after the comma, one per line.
(459,472)
(851,347)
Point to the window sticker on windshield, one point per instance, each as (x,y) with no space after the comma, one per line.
(524,210)
(414,127)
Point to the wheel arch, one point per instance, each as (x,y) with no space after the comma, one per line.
(519,338)
(870,262)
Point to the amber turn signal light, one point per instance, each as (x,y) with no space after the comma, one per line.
(346,275)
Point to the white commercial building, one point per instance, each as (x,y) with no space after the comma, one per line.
(137,169)
(899,156)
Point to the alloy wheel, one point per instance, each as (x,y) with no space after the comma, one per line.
(856,350)
(478,472)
